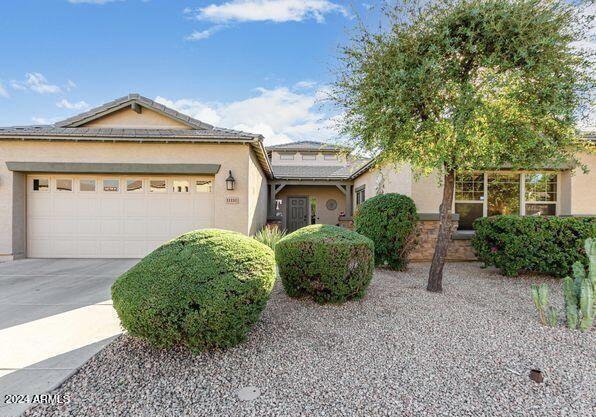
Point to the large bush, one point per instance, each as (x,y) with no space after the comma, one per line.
(203,290)
(546,245)
(327,263)
(389,220)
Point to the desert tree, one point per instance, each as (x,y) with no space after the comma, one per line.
(458,85)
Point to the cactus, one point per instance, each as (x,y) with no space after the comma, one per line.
(579,292)
(571,309)
(553,316)
(540,297)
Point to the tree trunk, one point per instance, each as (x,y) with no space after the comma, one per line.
(435,276)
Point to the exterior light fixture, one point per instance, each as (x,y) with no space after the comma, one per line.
(230,182)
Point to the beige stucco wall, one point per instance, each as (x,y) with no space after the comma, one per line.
(322,194)
(257,195)
(128,118)
(583,187)
(320,159)
(426,193)
(395,179)
(229,156)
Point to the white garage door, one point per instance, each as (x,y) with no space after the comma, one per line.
(112,216)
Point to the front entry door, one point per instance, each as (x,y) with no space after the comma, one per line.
(297,213)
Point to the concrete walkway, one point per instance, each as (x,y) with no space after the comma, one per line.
(55,314)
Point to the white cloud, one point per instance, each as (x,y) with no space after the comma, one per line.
(305,85)
(203,34)
(65,104)
(36,82)
(70,85)
(269,10)
(279,114)
(3,92)
(46,120)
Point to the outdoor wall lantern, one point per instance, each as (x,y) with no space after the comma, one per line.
(230,182)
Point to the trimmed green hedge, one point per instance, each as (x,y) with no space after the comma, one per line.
(389,220)
(327,263)
(203,290)
(541,244)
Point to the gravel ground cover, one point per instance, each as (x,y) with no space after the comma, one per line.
(399,351)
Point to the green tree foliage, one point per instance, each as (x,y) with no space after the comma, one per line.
(457,85)
(204,289)
(389,220)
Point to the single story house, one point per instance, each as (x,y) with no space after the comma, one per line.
(120,179)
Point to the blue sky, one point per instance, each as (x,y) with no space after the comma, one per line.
(255,65)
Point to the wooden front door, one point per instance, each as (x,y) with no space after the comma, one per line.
(297,213)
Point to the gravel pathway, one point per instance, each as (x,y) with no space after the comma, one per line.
(399,351)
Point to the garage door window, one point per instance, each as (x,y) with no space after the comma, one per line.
(64,184)
(157,186)
(111,185)
(180,186)
(134,186)
(41,184)
(203,186)
(87,185)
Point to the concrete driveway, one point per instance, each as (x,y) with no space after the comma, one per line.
(54,315)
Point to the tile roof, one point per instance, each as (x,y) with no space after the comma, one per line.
(306,145)
(88,133)
(317,171)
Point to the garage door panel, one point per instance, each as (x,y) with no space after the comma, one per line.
(135,207)
(108,224)
(111,206)
(87,207)
(63,226)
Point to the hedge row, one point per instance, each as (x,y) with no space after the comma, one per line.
(539,244)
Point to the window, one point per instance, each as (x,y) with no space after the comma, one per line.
(41,184)
(469,198)
(64,184)
(87,185)
(157,186)
(330,157)
(111,185)
(180,186)
(541,194)
(503,194)
(134,186)
(313,210)
(360,195)
(286,156)
(309,157)
(203,186)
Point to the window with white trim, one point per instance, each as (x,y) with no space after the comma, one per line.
(181,186)
(469,198)
(134,186)
(41,184)
(111,185)
(64,184)
(330,157)
(203,186)
(87,185)
(360,195)
(286,156)
(309,157)
(541,194)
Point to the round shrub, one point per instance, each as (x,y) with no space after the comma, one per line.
(389,220)
(327,263)
(203,290)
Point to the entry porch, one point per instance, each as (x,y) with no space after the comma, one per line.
(295,204)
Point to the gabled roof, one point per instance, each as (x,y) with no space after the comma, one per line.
(72,130)
(307,145)
(127,101)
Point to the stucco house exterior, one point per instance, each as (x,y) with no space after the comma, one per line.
(120,179)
